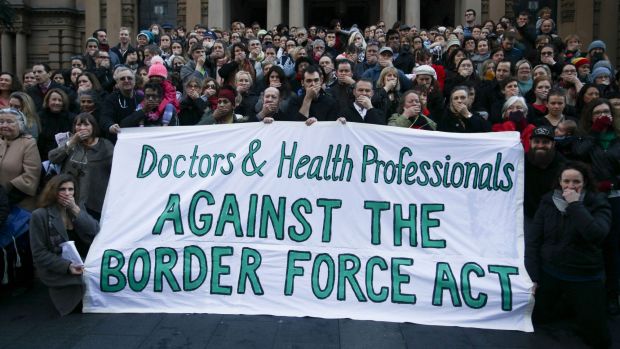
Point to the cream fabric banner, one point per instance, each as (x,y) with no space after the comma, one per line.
(332,221)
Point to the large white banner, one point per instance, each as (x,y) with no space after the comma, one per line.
(332,221)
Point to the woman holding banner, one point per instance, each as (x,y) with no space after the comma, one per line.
(563,253)
(59,220)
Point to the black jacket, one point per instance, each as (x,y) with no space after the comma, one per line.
(191,111)
(569,243)
(605,163)
(538,182)
(373,116)
(454,123)
(325,108)
(51,124)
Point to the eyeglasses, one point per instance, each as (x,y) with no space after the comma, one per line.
(7,122)
(193,86)
(151,97)
(602,112)
(126,78)
(547,53)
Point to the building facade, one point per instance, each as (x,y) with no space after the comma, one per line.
(54,30)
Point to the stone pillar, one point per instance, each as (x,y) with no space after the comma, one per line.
(193,13)
(497,9)
(462,5)
(7,52)
(216,14)
(21,53)
(113,16)
(412,12)
(274,13)
(608,30)
(569,11)
(92,17)
(389,12)
(296,13)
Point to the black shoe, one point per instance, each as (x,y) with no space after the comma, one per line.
(613,308)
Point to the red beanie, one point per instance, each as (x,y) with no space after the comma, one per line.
(227,93)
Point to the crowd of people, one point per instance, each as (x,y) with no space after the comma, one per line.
(561,94)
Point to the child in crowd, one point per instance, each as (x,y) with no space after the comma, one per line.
(169,103)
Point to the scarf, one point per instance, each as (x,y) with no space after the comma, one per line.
(562,204)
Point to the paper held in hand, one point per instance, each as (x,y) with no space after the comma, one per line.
(70,253)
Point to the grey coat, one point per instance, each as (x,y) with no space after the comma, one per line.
(47,232)
(90,166)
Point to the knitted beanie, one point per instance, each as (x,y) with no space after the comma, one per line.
(158,69)
(598,72)
(579,61)
(228,93)
(597,44)
(425,70)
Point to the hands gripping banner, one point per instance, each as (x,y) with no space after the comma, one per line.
(332,221)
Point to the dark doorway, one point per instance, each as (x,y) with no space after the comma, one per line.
(248,11)
(348,12)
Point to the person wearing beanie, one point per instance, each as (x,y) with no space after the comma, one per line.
(605,64)
(144,38)
(583,68)
(224,113)
(597,51)
(158,74)
(601,76)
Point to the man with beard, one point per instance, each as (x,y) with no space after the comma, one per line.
(542,164)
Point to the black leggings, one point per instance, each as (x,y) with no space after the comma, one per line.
(587,300)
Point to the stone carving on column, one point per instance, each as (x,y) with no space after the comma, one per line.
(181,12)
(567,11)
(128,13)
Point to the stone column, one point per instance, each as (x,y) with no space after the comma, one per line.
(412,12)
(296,13)
(7,52)
(389,12)
(608,30)
(113,17)
(497,9)
(462,5)
(92,18)
(216,14)
(274,13)
(21,52)
(193,13)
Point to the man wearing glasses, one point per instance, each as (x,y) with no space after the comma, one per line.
(119,104)
(470,21)
(402,57)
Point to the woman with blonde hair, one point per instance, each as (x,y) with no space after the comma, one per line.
(23,102)
(387,92)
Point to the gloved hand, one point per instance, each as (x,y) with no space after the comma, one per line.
(605,186)
(518,117)
(601,124)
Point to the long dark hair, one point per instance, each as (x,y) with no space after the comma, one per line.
(50,192)
(583,168)
(585,124)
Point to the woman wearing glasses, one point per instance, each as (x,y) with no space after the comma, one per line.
(599,146)
(20,163)
(193,104)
